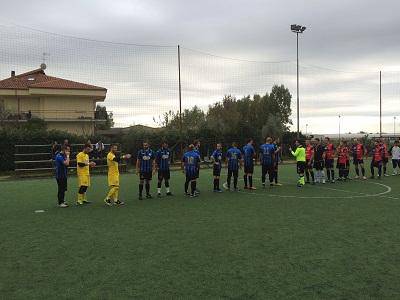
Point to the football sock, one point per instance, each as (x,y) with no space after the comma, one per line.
(193,186)
(140,189)
(245,180)
(250,180)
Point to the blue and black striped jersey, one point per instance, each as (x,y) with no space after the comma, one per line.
(162,159)
(234,155)
(267,154)
(217,156)
(191,160)
(248,154)
(61,169)
(146,157)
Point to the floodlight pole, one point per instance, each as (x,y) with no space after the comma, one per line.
(298,102)
(339,127)
(297,29)
(394,127)
(380,103)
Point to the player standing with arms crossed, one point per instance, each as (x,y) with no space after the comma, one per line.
(162,165)
(248,157)
(217,166)
(113,160)
(145,167)
(82,170)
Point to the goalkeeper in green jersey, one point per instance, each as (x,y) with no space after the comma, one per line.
(300,155)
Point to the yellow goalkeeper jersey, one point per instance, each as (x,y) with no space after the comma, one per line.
(82,157)
(112,165)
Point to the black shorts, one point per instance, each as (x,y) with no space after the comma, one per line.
(396,163)
(234,173)
(62,184)
(190,177)
(146,175)
(301,166)
(309,165)
(249,168)
(217,170)
(329,162)
(267,169)
(376,164)
(358,161)
(165,174)
(319,165)
(343,165)
(385,160)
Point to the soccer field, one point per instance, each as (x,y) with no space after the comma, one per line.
(327,241)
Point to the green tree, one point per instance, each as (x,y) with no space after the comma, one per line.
(102,114)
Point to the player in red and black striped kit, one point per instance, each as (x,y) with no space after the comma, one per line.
(343,162)
(358,152)
(329,160)
(377,159)
(385,156)
(309,162)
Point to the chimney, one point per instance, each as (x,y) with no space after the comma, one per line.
(12,73)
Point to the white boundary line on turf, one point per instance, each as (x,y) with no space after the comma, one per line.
(361,195)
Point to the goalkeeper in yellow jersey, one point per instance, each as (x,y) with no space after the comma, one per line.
(300,155)
(82,170)
(113,160)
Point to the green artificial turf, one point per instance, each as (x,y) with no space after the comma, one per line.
(333,241)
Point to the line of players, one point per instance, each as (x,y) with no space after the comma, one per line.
(150,162)
(316,155)
(320,156)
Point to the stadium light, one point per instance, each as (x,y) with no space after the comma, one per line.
(297,29)
(394,126)
(306,129)
(339,126)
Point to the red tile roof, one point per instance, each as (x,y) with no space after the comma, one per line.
(39,79)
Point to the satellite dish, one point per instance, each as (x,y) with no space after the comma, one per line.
(43,66)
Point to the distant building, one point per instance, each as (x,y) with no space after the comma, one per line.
(63,104)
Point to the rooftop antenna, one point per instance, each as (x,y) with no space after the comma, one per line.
(43,65)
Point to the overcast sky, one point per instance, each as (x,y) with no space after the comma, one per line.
(361,36)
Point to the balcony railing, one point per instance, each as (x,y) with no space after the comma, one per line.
(56,115)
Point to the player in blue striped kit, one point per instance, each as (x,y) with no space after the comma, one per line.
(248,158)
(162,164)
(217,166)
(190,165)
(144,168)
(234,162)
(267,155)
